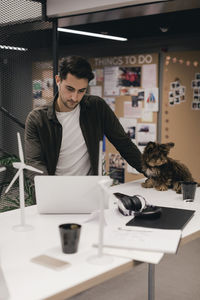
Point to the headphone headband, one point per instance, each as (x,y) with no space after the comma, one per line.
(142,200)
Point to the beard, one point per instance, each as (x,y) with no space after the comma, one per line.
(69,104)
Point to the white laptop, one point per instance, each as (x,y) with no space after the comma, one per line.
(70,194)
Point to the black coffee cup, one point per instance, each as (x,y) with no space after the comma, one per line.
(69,234)
(188,190)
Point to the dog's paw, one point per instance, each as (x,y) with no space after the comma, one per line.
(177,187)
(144,185)
(148,183)
(161,187)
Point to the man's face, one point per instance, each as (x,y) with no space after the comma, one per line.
(71,91)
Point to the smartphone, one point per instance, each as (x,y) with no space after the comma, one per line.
(50,262)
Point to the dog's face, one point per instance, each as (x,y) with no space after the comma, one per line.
(155,154)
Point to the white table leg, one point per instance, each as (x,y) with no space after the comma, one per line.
(151,281)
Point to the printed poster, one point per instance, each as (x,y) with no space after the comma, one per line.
(149,79)
(145,133)
(151,99)
(111,87)
(96,90)
(136,96)
(47,84)
(132,112)
(99,75)
(129,76)
(129,126)
(116,167)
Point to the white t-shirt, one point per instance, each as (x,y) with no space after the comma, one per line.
(73,157)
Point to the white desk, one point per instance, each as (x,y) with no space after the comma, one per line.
(168,199)
(26,280)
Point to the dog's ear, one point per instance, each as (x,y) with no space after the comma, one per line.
(165,148)
(150,145)
(169,145)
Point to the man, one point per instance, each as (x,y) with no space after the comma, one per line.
(62,137)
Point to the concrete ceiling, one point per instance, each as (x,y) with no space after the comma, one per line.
(142,10)
(170,18)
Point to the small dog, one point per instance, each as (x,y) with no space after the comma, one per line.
(161,171)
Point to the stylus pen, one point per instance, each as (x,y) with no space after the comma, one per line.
(133,229)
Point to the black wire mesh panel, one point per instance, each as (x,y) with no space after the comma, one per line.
(19,11)
(24,39)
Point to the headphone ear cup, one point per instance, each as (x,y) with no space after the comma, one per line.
(136,203)
(128,202)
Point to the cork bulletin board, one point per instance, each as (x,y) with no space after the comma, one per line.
(181,108)
(129,84)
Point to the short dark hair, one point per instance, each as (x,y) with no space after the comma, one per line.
(77,66)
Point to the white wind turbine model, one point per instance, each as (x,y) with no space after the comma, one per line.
(103,184)
(21,166)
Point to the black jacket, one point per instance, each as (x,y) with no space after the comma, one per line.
(43,135)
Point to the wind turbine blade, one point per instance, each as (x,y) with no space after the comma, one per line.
(21,155)
(2,169)
(33,169)
(13,180)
